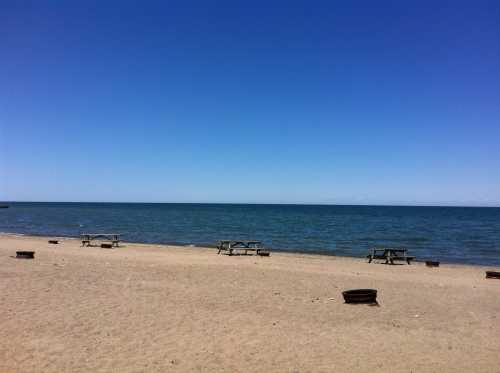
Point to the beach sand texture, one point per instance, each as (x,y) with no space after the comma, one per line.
(150,308)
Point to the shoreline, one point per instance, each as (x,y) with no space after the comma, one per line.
(274,251)
(438,234)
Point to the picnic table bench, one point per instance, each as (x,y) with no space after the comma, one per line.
(87,238)
(246,246)
(390,255)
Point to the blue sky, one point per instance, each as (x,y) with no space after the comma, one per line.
(363,102)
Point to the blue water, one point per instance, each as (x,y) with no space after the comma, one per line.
(448,234)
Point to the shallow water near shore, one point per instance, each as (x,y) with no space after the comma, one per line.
(466,235)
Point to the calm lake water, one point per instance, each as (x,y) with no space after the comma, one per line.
(449,234)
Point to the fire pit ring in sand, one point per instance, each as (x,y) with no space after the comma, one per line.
(25,254)
(360,296)
(55,242)
(492,274)
(431,263)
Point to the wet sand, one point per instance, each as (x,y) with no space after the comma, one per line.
(152,308)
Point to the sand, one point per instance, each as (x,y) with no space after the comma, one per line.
(150,308)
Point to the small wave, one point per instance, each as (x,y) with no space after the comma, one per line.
(12,234)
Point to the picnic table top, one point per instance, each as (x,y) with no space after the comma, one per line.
(100,234)
(392,250)
(240,243)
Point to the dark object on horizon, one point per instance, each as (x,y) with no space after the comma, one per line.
(431,263)
(246,246)
(107,245)
(25,254)
(55,242)
(360,296)
(389,255)
(492,274)
(4,206)
(264,253)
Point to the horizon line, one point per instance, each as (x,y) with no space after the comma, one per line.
(423,204)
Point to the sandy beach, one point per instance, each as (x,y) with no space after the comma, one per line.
(152,308)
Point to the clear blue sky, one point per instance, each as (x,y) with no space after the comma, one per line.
(276,102)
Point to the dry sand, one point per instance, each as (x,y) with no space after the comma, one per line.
(146,308)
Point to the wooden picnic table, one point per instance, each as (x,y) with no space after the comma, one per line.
(231,246)
(88,237)
(389,255)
